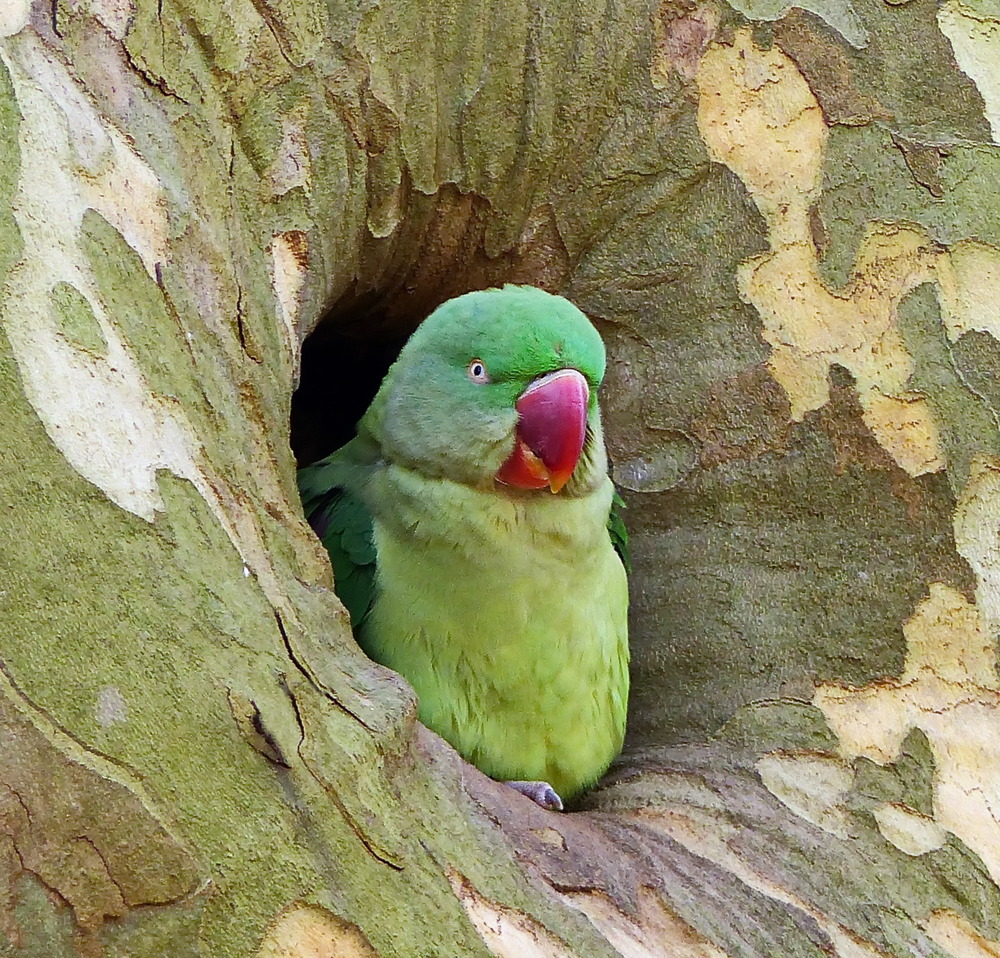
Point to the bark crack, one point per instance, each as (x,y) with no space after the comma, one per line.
(355,827)
(241,326)
(20,801)
(88,841)
(270,22)
(145,73)
(312,680)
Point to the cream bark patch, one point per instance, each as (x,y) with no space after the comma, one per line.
(14,16)
(98,410)
(288,262)
(114,14)
(957,936)
(977,533)
(711,834)
(292,167)
(976,41)
(949,690)
(969,280)
(812,786)
(909,830)
(758,116)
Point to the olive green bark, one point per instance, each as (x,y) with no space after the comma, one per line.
(783,219)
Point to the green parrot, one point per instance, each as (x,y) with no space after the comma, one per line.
(475,540)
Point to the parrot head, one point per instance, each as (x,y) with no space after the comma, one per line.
(497,386)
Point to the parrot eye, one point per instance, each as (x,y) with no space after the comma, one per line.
(476,371)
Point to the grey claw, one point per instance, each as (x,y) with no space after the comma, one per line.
(541,793)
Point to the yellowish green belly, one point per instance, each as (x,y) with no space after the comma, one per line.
(509,617)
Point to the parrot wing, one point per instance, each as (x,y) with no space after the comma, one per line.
(344,526)
(618,532)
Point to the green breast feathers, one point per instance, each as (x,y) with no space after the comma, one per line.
(476,540)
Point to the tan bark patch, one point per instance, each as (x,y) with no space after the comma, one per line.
(550,836)
(949,690)
(758,116)
(308,931)
(958,937)
(655,931)
(812,786)
(507,932)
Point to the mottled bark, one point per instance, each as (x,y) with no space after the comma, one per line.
(786,222)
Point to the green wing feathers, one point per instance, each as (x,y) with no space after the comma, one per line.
(344,526)
(618,532)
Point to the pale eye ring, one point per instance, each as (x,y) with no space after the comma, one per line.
(476,371)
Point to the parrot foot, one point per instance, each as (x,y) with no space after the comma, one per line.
(541,793)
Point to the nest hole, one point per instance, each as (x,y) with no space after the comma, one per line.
(341,371)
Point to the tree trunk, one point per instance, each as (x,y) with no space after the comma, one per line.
(784,221)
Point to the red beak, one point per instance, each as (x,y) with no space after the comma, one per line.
(551,429)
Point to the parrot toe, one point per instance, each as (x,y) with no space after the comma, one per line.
(541,793)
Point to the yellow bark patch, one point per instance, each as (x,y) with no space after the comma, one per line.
(507,932)
(958,937)
(812,786)
(308,931)
(758,116)
(949,690)
(654,932)
(975,38)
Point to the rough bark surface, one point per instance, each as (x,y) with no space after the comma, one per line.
(786,221)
